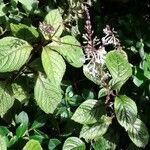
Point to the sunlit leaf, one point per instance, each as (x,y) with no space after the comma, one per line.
(6,98)
(32,145)
(88,112)
(47,95)
(3,145)
(70,49)
(14,53)
(125,110)
(94,131)
(119,67)
(74,143)
(54,19)
(138,133)
(53,64)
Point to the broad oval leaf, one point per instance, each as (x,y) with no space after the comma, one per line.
(74,143)
(14,53)
(125,110)
(53,65)
(3,145)
(118,66)
(47,95)
(32,145)
(88,112)
(28,33)
(6,98)
(138,133)
(70,49)
(54,19)
(94,131)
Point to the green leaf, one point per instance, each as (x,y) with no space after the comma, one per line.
(147,66)
(47,95)
(32,145)
(2,9)
(101,144)
(12,141)
(29,5)
(125,110)
(24,32)
(40,121)
(53,64)
(94,131)
(4,131)
(138,133)
(37,137)
(118,66)
(19,92)
(22,118)
(21,130)
(70,49)
(54,19)
(102,92)
(88,94)
(88,112)
(53,143)
(73,143)
(6,98)
(14,53)
(3,144)
(96,79)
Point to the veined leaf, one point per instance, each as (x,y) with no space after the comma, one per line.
(47,95)
(3,145)
(14,53)
(74,143)
(6,98)
(54,19)
(102,144)
(118,66)
(94,131)
(88,112)
(70,49)
(138,133)
(24,32)
(53,65)
(125,110)
(32,145)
